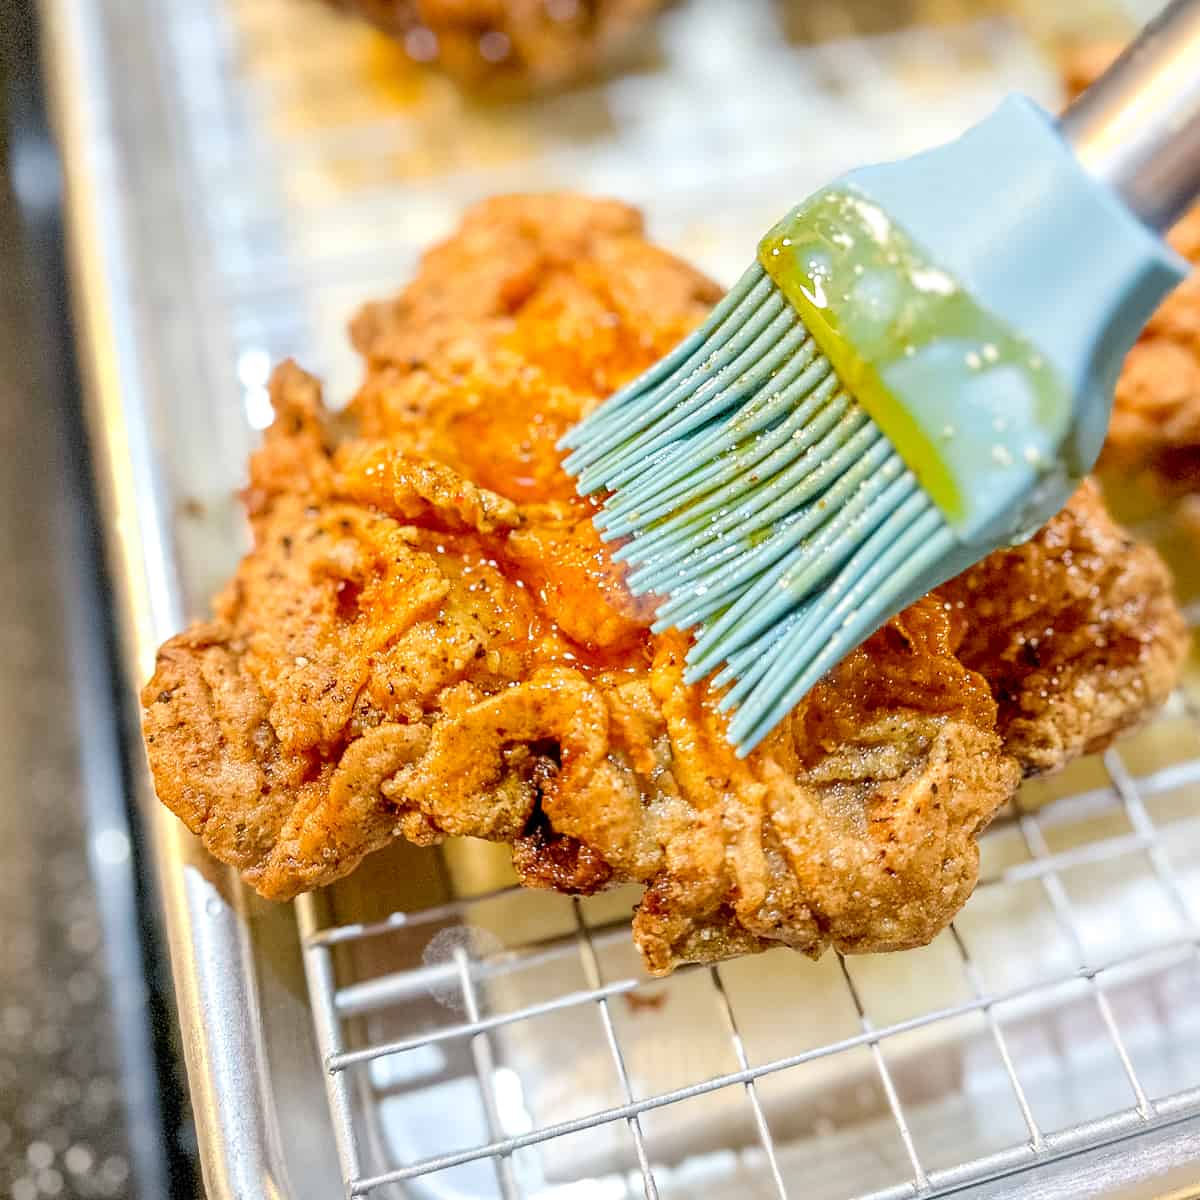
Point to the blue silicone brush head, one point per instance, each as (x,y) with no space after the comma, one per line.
(762,502)
(917,370)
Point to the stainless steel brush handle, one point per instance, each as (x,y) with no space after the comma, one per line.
(1137,128)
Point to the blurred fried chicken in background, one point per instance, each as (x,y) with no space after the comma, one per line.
(509,46)
(1156,415)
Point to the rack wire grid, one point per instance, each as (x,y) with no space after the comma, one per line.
(479,1040)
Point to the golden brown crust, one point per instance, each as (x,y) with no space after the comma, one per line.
(1076,632)
(428,640)
(509,45)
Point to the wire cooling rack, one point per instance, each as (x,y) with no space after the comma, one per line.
(1100,994)
(478,1040)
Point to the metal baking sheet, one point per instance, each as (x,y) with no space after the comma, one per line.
(242,174)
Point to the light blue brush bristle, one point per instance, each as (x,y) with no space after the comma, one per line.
(758,498)
(761,502)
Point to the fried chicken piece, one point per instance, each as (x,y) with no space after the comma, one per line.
(509,45)
(1075,631)
(429,640)
(1156,412)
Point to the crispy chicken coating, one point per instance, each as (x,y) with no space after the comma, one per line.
(428,640)
(509,45)
(1076,632)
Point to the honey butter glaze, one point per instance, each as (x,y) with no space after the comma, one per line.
(952,386)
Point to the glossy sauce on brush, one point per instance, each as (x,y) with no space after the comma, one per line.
(872,298)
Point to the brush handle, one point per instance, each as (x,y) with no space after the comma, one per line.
(1137,128)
